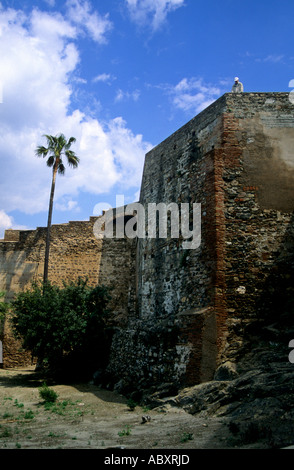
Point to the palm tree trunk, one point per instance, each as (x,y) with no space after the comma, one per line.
(47,249)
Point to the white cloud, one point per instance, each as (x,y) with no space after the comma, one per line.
(7,222)
(30,77)
(80,14)
(272,58)
(38,55)
(128,151)
(192,95)
(80,80)
(126,95)
(66,204)
(155,12)
(103,77)
(53,26)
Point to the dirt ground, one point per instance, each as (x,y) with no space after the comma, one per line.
(88,417)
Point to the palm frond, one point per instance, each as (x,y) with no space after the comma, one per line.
(41,151)
(51,141)
(72,158)
(61,141)
(50,161)
(71,140)
(61,168)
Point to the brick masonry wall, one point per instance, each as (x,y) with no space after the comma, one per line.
(258,154)
(13,354)
(236,159)
(74,253)
(174,335)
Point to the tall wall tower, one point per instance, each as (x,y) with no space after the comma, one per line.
(236,158)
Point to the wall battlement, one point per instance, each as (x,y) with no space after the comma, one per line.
(183,313)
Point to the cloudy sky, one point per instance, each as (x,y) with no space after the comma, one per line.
(120,76)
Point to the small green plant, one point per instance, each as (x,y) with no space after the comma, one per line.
(29,415)
(146,409)
(47,394)
(17,404)
(58,408)
(5,433)
(50,406)
(131,404)
(187,436)
(125,432)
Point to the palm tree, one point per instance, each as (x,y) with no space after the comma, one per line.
(56,147)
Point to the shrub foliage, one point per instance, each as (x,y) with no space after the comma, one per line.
(64,327)
(3,306)
(47,394)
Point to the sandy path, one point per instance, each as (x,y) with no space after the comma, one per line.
(87,417)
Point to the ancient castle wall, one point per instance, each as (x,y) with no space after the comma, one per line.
(258,192)
(195,306)
(183,312)
(74,252)
(173,338)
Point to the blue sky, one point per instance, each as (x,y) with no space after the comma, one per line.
(120,76)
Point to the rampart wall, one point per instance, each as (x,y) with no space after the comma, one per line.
(74,252)
(183,313)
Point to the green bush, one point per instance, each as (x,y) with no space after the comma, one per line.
(47,394)
(131,404)
(65,328)
(3,307)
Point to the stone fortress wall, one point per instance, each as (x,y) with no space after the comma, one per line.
(74,252)
(182,313)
